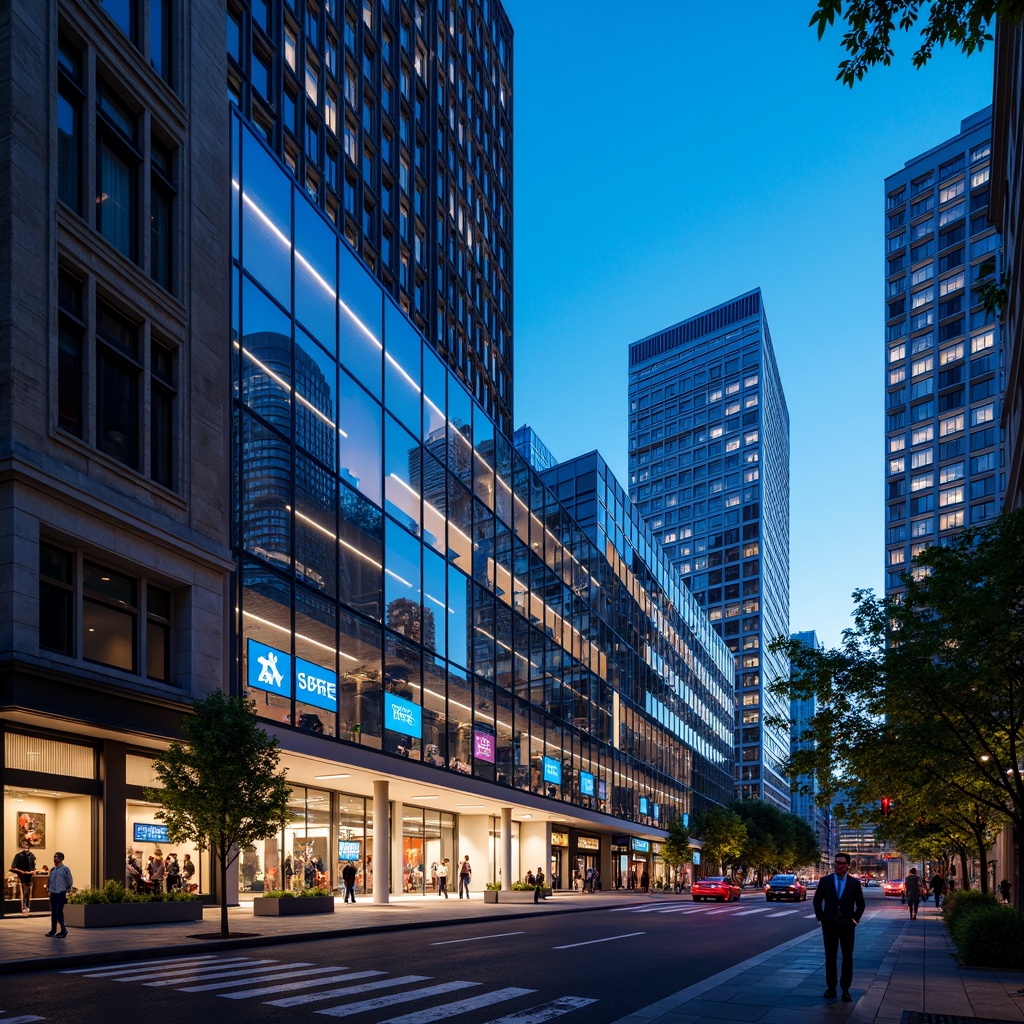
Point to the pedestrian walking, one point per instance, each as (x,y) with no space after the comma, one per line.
(348,878)
(645,881)
(58,885)
(24,866)
(912,891)
(442,878)
(1004,890)
(938,888)
(465,877)
(839,906)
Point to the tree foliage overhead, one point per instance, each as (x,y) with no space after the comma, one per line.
(926,695)
(870,24)
(723,834)
(675,849)
(221,788)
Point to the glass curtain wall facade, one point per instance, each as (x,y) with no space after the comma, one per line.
(395,118)
(684,660)
(709,472)
(943,350)
(406,582)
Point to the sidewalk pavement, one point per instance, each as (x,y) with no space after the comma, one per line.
(902,966)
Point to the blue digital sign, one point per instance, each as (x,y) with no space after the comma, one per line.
(643,805)
(276,672)
(348,849)
(142,833)
(641,845)
(696,856)
(552,771)
(402,716)
(656,813)
(586,784)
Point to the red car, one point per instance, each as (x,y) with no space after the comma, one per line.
(894,888)
(717,887)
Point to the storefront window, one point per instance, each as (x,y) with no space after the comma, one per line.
(428,838)
(152,862)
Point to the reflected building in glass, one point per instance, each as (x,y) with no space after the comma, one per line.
(709,472)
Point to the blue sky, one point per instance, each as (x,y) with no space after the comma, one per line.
(671,155)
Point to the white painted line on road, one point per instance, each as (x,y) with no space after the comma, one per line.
(643,910)
(808,917)
(756,910)
(134,965)
(270,990)
(460,1006)
(363,1006)
(783,913)
(593,942)
(175,968)
(24,1019)
(312,997)
(545,1012)
(229,972)
(283,973)
(477,938)
(724,910)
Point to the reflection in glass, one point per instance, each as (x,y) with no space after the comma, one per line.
(402,347)
(266,220)
(315,272)
(361,553)
(316,429)
(401,475)
(359,455)
(359,322)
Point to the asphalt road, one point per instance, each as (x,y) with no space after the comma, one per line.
(591,968)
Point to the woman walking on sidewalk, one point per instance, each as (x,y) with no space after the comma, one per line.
(912,887)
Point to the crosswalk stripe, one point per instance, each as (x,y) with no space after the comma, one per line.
(311,997)
(25,1018)
(351,1009)
(284,972)
(809,917)
(460,1006)
(169,969)
(782,913)
(134,965)
(270,990)
(756,910)
(217,972)
(646,910)
(544,1012)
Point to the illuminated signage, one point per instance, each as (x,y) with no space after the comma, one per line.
(552,771)
(586,784)
(696,856)
(559,839)
(149,833)
(276,672)
(640,845)
(587,843)
(656,813)
(348,849)
(402,716)
(643,805)
(483,745)
(602,789)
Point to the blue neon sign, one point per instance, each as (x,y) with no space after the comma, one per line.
(586,784)
(402,716)
(552,771)
(142,833)
(641,845)
(643,805)
(276,672)
(315,685)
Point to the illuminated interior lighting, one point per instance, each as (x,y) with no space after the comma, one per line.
(423,796)
(298,636)
(340,775)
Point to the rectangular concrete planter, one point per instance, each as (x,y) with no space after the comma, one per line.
(512,895)
(274,906)
(111,915)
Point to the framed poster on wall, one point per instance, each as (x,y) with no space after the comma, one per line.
(32,829)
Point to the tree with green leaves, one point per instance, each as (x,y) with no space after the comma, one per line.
(675,848)
(937,672)
(221,788)
(870,24)
(776,840)
(723,834)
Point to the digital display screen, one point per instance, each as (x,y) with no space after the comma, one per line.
(586,784)
(402,716)
(348,849)
(643,805)
(641,845)
(483,745)
(149,833)
(552,771)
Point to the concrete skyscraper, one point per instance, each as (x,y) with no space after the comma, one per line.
(709,471)
(943,351)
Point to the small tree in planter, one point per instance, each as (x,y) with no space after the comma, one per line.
(222,790)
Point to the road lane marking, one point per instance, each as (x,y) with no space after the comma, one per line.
(476,938)
(592,942)
(135,964)
(756,910)
(23,1019)
(270,990)
(544,1012)
(284,973)
(229,972)
(312,997)
(783,913)
(351,1009)
(460,1006)
(168,969)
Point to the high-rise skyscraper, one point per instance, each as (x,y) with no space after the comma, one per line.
(943,350)
(709,471)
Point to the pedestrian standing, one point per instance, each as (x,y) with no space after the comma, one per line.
(442,878)
(1004,890)
(348,877)
(645,881)
(58,885)
(465,876)
(912,889)
(938,888)
(24,866)
(839,906)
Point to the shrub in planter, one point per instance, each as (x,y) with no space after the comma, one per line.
(116,892)
(990,936)
(288,894)
(962,902)
(523,886)
(492,887)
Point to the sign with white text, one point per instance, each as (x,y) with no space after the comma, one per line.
(552,771)
(142,833)
(402,716)
(586,784)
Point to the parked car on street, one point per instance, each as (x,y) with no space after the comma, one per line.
(785,887)
(893,888)
(716,887)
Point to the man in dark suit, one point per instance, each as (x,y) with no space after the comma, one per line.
(838,906)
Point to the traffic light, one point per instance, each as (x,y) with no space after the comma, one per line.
(886,806)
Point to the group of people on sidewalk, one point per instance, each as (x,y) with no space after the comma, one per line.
(160,874)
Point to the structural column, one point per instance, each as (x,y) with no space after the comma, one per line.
(506,847)
(381,842)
